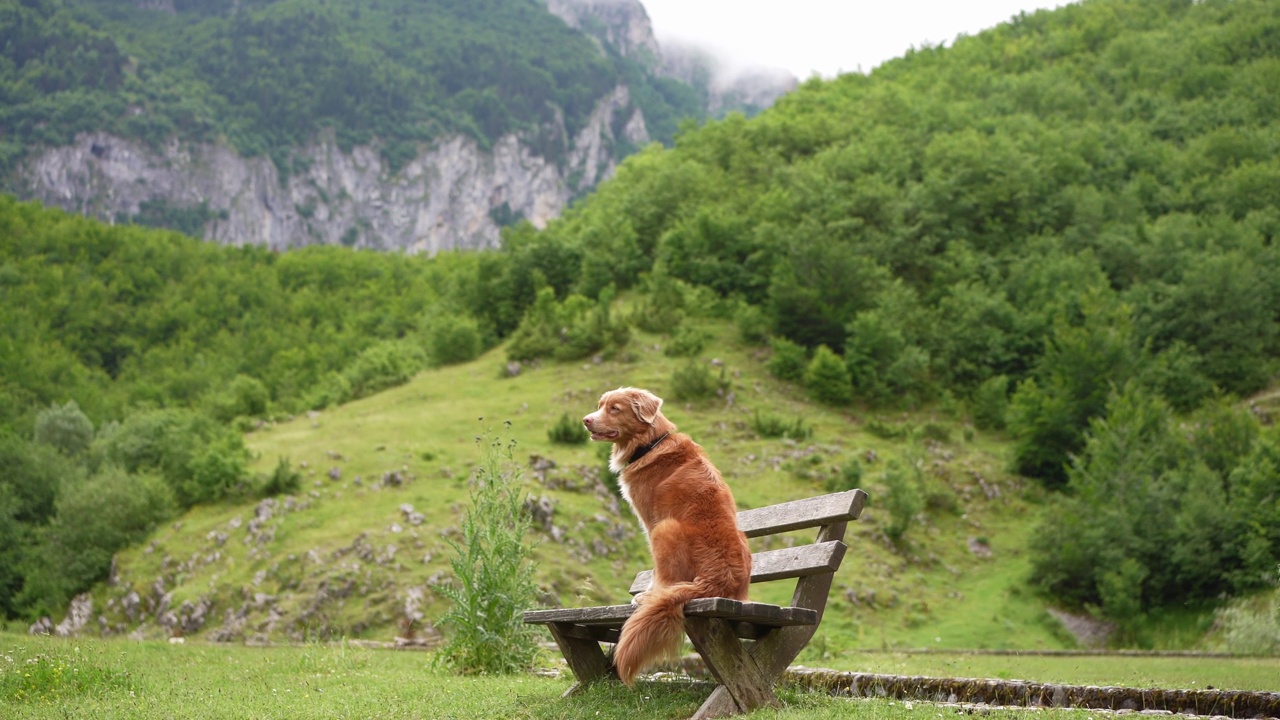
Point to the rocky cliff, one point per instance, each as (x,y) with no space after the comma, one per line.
(453,194)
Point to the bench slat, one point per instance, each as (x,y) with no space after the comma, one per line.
(615,615)
(792,562)
(800,514)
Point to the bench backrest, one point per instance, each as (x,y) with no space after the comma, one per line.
(819,560)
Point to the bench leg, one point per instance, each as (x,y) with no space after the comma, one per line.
(739,676)
(584,656)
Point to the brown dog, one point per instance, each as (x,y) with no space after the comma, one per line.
(688,514)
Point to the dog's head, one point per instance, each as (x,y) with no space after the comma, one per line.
(627,416)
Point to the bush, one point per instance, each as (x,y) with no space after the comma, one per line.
(569,330)
(284,480)
(660,306)
(774,426)
(849,477)
(752,323)
(452,338)
(694,381)
(567,431)
(493,573)
(686,341)
(991,403)
(245,396)
(902,499)
(827,380)
(94,519)
(1252,628)
(64,427)
(198,458)
(384,365)
(788,361)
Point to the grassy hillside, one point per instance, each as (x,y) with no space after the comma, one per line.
(343,561)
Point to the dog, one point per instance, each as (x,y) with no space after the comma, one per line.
(689,518)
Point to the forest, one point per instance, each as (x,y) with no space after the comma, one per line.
(1066,225)
(266,76)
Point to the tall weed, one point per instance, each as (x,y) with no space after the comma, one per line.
(492,572)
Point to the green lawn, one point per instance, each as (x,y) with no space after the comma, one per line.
(42,677)
(1189,672)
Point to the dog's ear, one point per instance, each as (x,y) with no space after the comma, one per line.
(646,405)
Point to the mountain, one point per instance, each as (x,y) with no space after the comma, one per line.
(397,125)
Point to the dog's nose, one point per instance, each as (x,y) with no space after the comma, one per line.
(586,420)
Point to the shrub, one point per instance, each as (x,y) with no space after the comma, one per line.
(849,477)
(752,323)
(826,379)
(198,458)
(694,381)
(383,365)
(1252,628)
(452,338)
(245,396)
(64,427)
(774,426)
(788,361)
(902,499)
(493,572)
(284,480)
(567,431)
(660,306)
(991,403)
(569,330)
(94,519)
(686,341)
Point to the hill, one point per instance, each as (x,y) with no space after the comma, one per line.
(291,122)
(1061,230)
(360,548)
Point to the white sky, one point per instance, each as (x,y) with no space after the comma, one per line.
(825,36)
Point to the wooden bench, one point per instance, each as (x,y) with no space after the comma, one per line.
(745,645)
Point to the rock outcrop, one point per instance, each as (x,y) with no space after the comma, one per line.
(453,194)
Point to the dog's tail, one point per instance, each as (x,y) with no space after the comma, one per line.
(653,632)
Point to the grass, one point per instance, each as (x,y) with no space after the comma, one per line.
(146,680)
(1141,671)
(126,679)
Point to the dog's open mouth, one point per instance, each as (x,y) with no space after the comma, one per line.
(604,435)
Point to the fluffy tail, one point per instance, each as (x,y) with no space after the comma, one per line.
(653,632)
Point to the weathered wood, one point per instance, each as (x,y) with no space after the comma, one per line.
(783,564)
(603,615)
(746,672)
(616,615)
(584,657)
(801,514)
(730,663)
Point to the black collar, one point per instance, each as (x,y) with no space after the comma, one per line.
(642,451)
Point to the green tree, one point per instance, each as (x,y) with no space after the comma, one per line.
(94,519)
(826,379)
(1050,412)
(64,427)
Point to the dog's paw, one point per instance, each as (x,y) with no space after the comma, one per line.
(639,599)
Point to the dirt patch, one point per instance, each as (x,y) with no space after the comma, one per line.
(1089,632)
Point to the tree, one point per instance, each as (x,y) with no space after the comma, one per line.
(826,379)
(95,518)
(64,427)
(1051,411)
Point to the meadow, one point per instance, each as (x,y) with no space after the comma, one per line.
(47,677)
